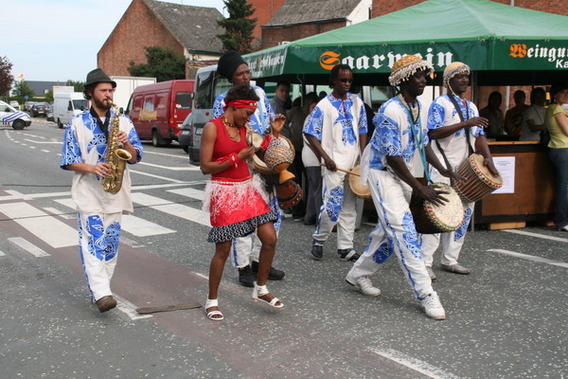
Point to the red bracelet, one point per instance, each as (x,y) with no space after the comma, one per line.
(233,158)
(265,142)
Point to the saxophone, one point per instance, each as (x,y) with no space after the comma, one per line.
(115,157)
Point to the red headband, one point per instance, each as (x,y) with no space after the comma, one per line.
(251,104)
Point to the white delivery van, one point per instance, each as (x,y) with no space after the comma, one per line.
(125,86)
(66,105)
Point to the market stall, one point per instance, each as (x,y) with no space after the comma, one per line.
(503,45)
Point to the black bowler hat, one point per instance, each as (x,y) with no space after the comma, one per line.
(98,76)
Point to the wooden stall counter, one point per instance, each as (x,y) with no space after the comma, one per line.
(528,188)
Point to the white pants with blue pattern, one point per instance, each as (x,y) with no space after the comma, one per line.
(394,233)
(99,237)
(339,207)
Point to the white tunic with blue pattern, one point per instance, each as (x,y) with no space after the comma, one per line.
(337,124)
(393,134)
(443,113)
(85,142)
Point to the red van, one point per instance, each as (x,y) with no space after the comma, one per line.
(157,110)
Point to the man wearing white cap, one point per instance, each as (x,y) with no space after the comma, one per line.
(400,130)
(455,126)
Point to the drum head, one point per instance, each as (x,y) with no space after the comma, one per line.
(357,186)
(476,161)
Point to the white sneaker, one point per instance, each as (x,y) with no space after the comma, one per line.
(433,307)
(363,284)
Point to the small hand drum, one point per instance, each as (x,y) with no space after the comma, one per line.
(278,157)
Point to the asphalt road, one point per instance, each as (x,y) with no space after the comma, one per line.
(505,320)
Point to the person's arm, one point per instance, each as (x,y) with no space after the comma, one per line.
(446,131)
(482,148)
(426,192)
(210,166)
(320,152)
(562,120)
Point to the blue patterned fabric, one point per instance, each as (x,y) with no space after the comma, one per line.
(71,151)
(334,203)
(393,135)
(437,114)
(260,120)
(345,118)
(102,243)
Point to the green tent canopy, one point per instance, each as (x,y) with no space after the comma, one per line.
(501,43)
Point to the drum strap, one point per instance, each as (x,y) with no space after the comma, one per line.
(462,119)
(414,112)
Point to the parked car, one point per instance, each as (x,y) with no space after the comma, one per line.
(11,116)
(15,104)
(157,110)
(28,106)
(49,112)
(38,109)
(185,138)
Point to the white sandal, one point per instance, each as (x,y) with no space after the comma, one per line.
(261,291)
(211,314)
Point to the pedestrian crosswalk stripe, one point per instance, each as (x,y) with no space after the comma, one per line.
(178,210)
(134,225)
(48,228)
(28,246)
(189,192)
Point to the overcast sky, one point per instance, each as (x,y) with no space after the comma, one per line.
(57,40)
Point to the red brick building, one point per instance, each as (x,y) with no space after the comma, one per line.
(189,31)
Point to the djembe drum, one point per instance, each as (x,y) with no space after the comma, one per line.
(430,218)
(278,157)
(357,186)
(478,181)
(288,193)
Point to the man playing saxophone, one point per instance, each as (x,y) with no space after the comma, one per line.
(86,144)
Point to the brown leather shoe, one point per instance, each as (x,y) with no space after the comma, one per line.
(456,269)
(106,303)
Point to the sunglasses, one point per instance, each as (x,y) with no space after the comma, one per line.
(346,80)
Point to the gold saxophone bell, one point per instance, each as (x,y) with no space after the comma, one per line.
(115,157)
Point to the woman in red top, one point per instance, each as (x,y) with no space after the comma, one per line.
(236,200)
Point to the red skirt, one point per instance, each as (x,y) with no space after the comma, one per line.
(236,208)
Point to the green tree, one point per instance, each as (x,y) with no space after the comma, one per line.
(238,27)
(22,89)
(79,86)
(162,64)
(6,77)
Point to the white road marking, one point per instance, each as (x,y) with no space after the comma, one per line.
(131,224)
(537,235)
(45,151)
(2,254)
(157,176)
(18,195)
(48,228)
(129,309)
(28,246)
(166,155)
(530,257)
(413,364)
(185,168)
(181,211)
(44,142)
(189,192)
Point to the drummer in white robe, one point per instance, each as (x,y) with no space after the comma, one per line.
(337,130)
(447,130)
(400,130)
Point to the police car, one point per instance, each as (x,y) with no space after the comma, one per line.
(9,116)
